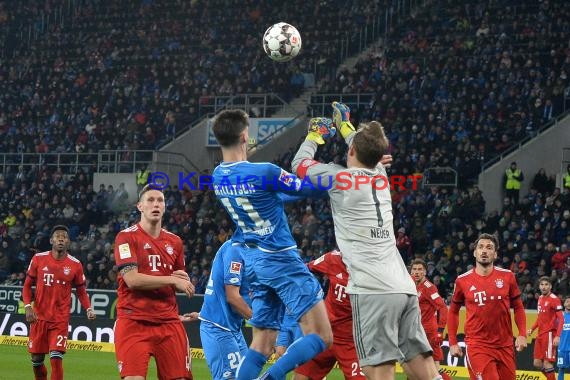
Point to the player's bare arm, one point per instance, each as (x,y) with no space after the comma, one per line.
(189,317)
(520,343)
(31,315)
(520,321)
(90,313)
(237,302)
(181,274)
(386,160)
(141,281)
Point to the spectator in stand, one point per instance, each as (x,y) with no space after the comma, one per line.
(559,259)
(541,182)
(404,245)
(512,180)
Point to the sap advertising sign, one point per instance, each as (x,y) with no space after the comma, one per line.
(261,130)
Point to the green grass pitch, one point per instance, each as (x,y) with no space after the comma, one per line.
(80,365)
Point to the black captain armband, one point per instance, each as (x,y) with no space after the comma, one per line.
(127,268)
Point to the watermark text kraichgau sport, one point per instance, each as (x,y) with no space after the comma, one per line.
(237,185)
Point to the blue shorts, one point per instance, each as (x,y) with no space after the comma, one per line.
(278,280)
(563,360)
(288,334)
(223,350)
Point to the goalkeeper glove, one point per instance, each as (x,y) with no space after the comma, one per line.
(341,118)
(320,128)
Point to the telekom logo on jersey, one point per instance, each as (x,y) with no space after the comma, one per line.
(48,279)
(340,292)
(154,262)
(480,297)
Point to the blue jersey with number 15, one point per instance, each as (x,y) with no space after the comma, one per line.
(250,193)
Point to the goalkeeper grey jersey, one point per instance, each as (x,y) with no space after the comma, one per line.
(363,223)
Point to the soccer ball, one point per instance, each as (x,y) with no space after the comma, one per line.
(282,42)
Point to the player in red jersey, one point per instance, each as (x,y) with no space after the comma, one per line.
(549,322)
(151,266)
(339,311)
(54,273)
(488,293)
(433,310)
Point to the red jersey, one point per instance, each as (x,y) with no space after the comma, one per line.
(549,315)
(488,300)
(54,280)
(432,307)
(155,257)
(337,300)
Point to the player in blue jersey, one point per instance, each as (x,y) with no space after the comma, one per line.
(223,311)
(289,332)
(564,344)
(279,278)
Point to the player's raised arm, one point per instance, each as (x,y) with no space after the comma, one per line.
(305,166)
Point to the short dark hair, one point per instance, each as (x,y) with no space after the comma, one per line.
(485,236)
(148,187)
(370,143)
(59,227)
(419,262)
(229,125)
(545,279)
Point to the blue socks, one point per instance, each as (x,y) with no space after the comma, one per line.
(251,365)
(299,352)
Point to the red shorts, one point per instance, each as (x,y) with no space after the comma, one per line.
(435,346)
(491,363)
(137,341)
(544,348)
(323,363)
(47,336)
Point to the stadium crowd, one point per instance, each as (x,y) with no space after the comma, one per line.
(463,82)
(131,74)
(435,223)
(454,87)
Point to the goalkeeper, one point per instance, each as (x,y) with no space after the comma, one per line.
(386,314)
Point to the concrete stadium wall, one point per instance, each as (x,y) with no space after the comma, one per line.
(542,152)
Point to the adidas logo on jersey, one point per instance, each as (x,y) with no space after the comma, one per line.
(339,276)
(45,269)
(472,288)
(146,246)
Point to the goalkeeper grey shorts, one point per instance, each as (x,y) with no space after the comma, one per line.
(387,327)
